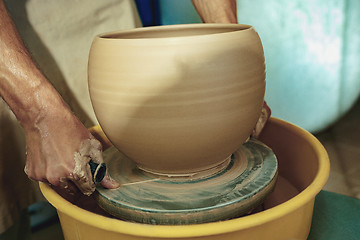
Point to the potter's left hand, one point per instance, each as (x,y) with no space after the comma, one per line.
(264,117)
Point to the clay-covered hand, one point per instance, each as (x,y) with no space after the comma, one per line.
(59,149)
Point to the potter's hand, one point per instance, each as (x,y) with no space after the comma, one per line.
(53,133)
(264,117)
(59,149)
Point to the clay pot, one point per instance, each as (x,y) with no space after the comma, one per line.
(178,99)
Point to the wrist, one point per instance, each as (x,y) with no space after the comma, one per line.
(42,103)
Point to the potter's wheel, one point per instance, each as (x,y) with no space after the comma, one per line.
(232,189)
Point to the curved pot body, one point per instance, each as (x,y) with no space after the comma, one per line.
(178,99)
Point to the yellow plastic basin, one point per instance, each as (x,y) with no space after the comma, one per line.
(303,162)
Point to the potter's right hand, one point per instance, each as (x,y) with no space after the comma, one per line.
(53,133)
(59,149)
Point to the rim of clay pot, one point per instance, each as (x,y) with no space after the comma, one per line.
(171,32)
(205,229)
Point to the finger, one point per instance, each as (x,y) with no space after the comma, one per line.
(71,197)
(100,175)
(109,183)
(33,172)
(96,163)
(68,186)
(265,115)
(90,168)
(82,176)
(267,109)
(84,184)
(95,151)
(32,175)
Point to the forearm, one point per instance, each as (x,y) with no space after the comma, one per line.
(216,11)
(22,85)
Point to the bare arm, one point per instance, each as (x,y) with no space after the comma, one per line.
(53,133)
(21,81)
(216,11)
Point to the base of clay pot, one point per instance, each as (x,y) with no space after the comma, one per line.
(206,173)
(235,187)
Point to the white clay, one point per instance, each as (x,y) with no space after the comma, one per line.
(90,149)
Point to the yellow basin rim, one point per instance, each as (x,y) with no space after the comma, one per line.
(206,229)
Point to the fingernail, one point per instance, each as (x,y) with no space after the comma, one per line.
(110,183)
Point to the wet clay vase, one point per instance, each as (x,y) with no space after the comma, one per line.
(178,99)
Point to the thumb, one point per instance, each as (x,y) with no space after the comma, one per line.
(98,167)
(109,182)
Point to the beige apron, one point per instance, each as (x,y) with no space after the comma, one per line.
(58,35)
